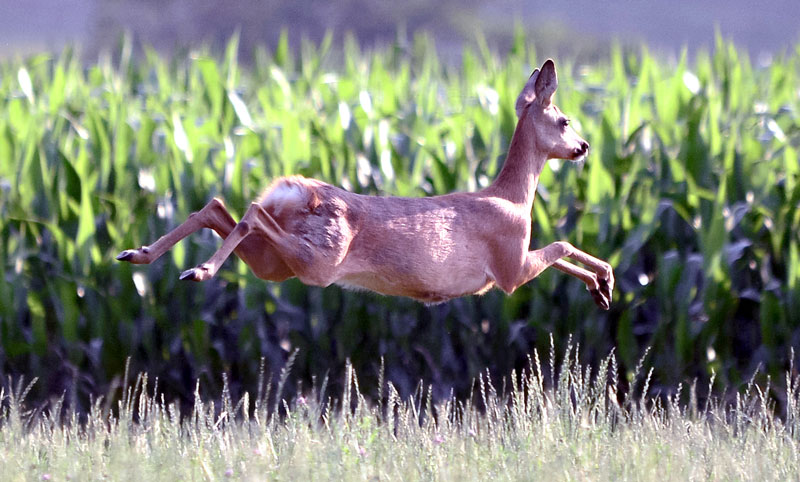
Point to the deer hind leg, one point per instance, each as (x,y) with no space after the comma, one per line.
(600,282)
(258,231)
(213,215)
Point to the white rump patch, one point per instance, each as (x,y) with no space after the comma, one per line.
(284,195)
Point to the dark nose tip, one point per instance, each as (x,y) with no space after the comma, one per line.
(583,149)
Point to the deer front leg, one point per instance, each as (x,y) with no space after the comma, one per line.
(601,293)
(603,270)
(213,215)
(600,283)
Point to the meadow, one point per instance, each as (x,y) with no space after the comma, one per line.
(574,427)
(690,191)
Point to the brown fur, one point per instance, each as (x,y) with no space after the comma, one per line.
(430,249)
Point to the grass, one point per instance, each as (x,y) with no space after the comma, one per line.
(579,428)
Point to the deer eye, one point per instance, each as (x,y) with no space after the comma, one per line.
(564,122)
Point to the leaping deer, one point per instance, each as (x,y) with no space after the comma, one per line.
(430,249)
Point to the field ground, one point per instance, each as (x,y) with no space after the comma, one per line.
(577,431)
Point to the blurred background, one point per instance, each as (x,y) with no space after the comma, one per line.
(119,118)
(559,27)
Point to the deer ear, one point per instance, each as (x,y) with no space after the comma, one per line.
(547,83)
(527,95)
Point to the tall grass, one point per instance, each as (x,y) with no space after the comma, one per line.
(576,428)
(690,191)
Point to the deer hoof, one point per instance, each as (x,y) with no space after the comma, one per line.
(606,279)
(601,299)
(125,255)
(605,288)
(129,255)
(190,275)
(200,273)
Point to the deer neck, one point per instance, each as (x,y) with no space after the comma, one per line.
(519,176)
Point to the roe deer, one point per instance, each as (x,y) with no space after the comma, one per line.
(431,249)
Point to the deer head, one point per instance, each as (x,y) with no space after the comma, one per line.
(544,122)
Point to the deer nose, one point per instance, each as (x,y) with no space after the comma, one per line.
(583,149)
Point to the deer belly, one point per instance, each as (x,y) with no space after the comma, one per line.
(428,289)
